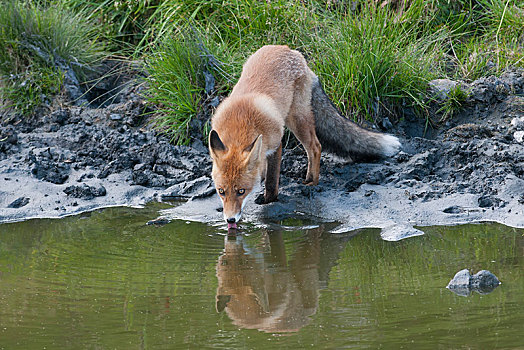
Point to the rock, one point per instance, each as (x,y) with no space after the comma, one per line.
(518,123)
(460,280)
(519,136)
(463,283)
(489,89)
(198,188)
(160,221)
(484,279)
(60,116)
(85,191)
(49,165)
(397,232)
(51,172)
(209,81)
(420,165)
(454,209)
(19,203)
(8,140)
(490,201)
(9,136)
(468,131)
(85,176)
(440,88)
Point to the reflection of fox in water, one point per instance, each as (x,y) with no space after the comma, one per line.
(261,289)
(264,292)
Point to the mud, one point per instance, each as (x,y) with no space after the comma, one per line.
(469,168)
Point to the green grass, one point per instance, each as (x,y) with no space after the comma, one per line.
(378,61)
(122,24)
(229,32)
(455,100)
(374,58)
(495,43)
(177,84)
(35,46)
(242,23)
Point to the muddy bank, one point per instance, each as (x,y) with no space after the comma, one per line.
(469,169)
(82,158)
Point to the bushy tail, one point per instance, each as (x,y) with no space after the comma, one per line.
(344,138)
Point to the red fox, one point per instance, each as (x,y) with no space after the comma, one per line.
(277,89)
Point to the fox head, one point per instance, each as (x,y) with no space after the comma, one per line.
(236,173)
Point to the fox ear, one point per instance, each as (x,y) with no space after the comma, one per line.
(255,149)
(215,144)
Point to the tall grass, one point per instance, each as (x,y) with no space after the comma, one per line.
(176,82)
(374,57)
(377,61)
(243,25)
(229,32)
(35,46)
(492,41)
(122,23)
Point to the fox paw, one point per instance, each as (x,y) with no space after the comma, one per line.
(310,183)
(261,199)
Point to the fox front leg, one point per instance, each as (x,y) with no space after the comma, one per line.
(273,175)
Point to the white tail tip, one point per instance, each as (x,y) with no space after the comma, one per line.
(390,145)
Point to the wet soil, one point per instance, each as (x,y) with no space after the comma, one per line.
(469,168)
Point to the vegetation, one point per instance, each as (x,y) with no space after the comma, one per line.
(37,47)
(177,82)
(374,58)
(377,61)
(456,98)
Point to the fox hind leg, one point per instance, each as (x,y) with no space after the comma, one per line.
(304,130)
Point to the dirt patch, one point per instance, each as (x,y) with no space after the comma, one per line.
(469,169)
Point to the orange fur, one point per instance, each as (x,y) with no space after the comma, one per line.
(278,89)
(274,90)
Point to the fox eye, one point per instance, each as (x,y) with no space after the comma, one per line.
(241,191)
(221,191)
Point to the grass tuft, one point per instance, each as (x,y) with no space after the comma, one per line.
(122,23)
(376,60)
(37,46)
(455,100)
(181,76)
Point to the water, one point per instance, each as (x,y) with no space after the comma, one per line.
(106,280)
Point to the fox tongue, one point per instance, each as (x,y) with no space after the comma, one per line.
(231,225)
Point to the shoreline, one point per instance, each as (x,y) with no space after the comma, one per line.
(78,159)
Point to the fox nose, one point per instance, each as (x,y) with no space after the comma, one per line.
(231,220)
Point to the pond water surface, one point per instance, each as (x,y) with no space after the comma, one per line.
(106,280)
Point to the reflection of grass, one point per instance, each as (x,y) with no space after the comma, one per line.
(434,258)
(395,291)
(108,274)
